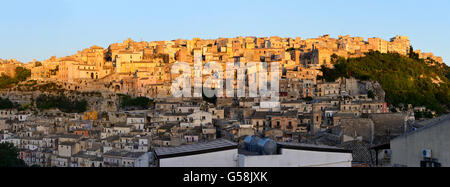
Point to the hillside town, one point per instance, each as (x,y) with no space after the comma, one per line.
(345,115)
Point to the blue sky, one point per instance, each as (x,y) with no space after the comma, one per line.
(41,29)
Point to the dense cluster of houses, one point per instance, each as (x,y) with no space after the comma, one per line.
(310,110)
(144,68)
(338,113)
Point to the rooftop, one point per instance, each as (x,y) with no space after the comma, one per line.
(123,154)
(312,147)
(200,148)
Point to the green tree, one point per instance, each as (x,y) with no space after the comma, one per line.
(7,104)
(370,94)
(138,102)
(61,102)
(405,79)
(37,64)
(309,98)
(9,156)
(212,100)
(413,54)
(22,74)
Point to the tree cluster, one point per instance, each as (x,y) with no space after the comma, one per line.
(21,74)
(9,156)
(127,101)
(61,102)
(405,79)
(7,104)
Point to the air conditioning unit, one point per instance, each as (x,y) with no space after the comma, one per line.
(426,153)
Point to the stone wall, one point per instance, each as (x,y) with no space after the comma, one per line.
(358,127)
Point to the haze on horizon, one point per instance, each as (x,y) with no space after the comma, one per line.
(41,29)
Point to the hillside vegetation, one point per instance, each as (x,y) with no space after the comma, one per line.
(127,101)
(22,74)
(9,156)
(406,80)
(61,102)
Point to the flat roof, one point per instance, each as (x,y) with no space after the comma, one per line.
(312,147)
(194,149)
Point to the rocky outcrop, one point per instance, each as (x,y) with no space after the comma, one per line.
(377,89)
